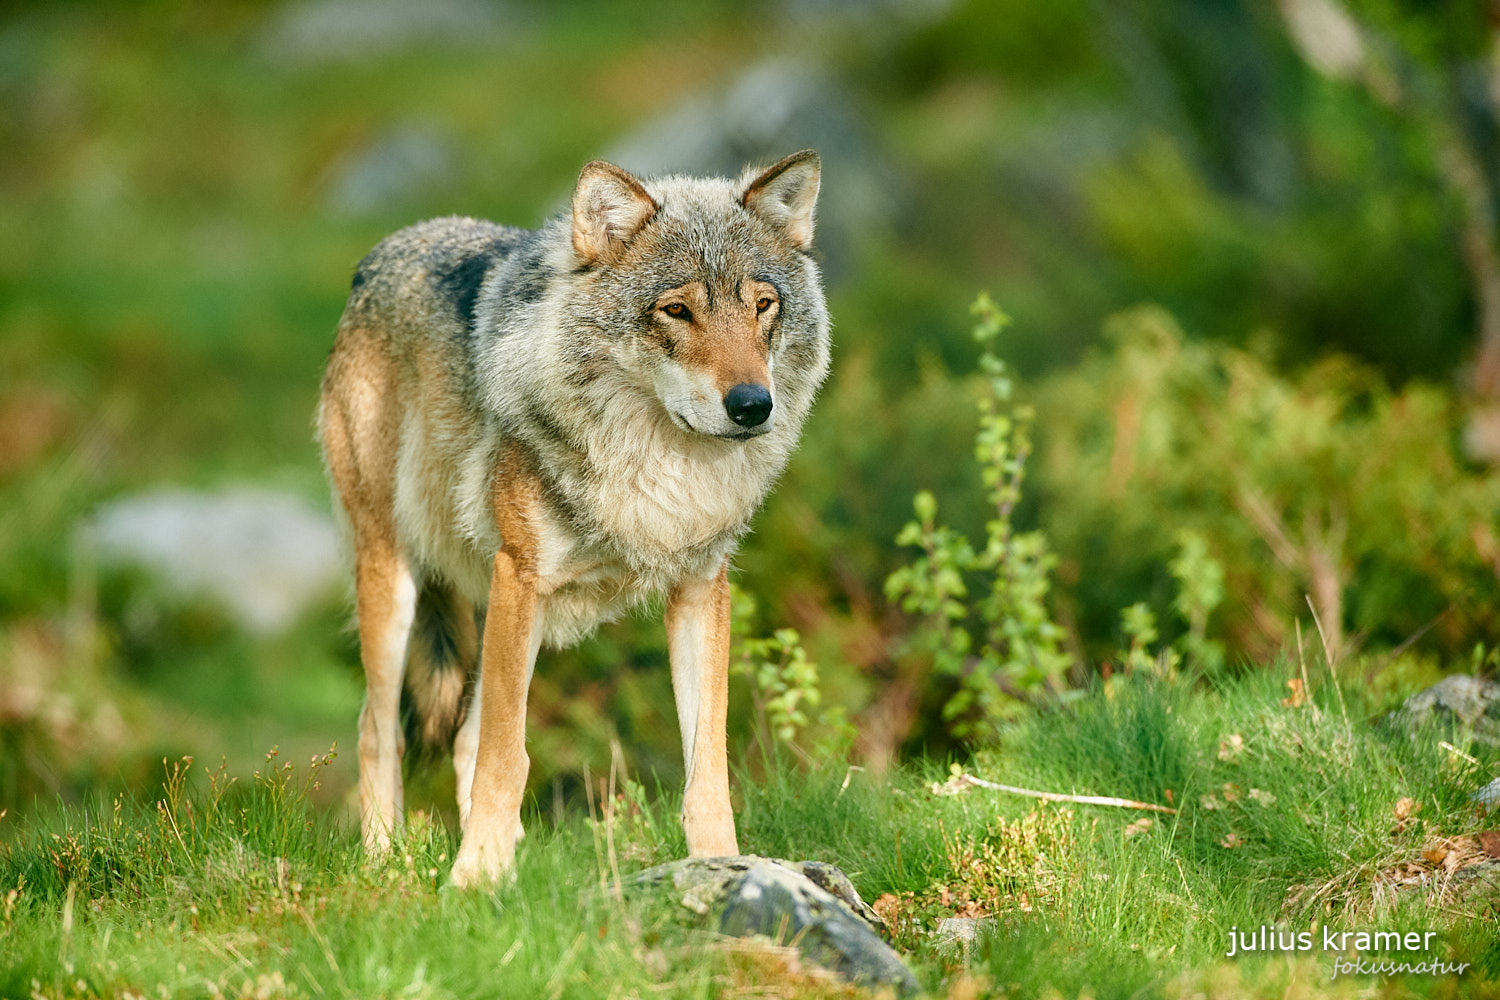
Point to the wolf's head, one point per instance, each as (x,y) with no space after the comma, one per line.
(705,290)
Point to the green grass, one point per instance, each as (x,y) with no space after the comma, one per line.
(245,888)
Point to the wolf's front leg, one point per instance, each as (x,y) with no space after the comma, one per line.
(512,634)
(386,596)
(698,643)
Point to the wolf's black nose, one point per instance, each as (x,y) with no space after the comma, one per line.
(748,404)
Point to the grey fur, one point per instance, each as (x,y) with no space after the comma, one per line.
(538,348)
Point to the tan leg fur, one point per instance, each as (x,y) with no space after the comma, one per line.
(386,598)
(358,422)
(512,635)
(698,644)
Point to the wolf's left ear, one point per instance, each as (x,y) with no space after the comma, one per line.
(609,207)
(786,194)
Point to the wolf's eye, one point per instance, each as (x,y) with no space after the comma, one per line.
(762,304)
(677,310)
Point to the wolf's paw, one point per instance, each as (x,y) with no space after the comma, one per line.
(377,841)
(478,868)
(485,860)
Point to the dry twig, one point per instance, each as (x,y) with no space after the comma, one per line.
(1089,800)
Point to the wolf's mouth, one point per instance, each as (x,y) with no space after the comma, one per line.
(738,434)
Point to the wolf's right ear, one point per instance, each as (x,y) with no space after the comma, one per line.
(609,207)
(785,195)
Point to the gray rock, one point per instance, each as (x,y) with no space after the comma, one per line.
(807,904)
(1483,875)
(319,32)
(264,557)
(1472,702)
(962,933)
(1489,795)
(774,108)
(399,166)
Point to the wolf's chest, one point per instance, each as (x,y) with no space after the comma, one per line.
(584,580)
(658,504)
(638,512)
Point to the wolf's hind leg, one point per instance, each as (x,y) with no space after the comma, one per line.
(698,645)
(386,596)
(466,740)
(359,423)
(465,750)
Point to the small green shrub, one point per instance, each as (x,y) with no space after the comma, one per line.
(1138,622)
(1019,646)
(1273,489)
(1200,589)
(785,688)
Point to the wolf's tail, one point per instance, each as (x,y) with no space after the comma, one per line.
(440,657)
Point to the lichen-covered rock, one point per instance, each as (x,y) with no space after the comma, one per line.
(833,880)
(1468,701)
(805,903)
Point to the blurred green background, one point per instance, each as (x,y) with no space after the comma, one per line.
(1249,250)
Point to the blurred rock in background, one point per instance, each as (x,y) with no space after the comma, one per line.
(322,32)
(264,557)
(775,108)
(398,167)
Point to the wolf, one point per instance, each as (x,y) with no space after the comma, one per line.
(529,432)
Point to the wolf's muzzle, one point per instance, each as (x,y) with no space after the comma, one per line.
(747,404)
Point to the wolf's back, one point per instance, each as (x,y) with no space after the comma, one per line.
(432,272)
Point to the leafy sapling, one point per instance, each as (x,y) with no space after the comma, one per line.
(785,687)
(1019,649)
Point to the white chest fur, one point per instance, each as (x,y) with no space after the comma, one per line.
(663,507)
(658,491)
